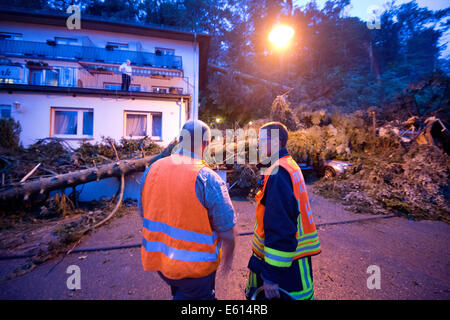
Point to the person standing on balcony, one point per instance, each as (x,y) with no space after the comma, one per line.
(125,69)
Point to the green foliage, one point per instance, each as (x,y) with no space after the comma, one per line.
(280,111)
(410,182)
(9,134)
(386,177)
(327,136)
(146,145)
(126,149)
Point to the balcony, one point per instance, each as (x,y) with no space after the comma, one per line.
(41,50)
(98,76)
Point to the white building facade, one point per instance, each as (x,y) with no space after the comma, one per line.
(65,83)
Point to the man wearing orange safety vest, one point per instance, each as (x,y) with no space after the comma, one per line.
(187,218)
(285,236)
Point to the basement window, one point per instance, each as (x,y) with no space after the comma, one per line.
(72,123)
(143,124)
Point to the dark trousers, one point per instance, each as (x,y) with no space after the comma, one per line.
(126,80)
(192,288)
(296,279)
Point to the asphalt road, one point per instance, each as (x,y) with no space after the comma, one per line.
(413,259)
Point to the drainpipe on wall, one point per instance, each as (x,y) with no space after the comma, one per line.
(180,121)
(194,110)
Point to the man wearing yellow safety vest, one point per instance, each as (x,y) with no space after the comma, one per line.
(285,236)
(187,217)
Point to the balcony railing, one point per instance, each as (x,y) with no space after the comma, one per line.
(41,50)
(89,76)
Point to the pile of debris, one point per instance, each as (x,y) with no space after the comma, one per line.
(237,156)
(60,220)
(399,167)
(55,156)
(39,237)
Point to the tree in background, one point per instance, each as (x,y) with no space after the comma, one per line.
(335,61)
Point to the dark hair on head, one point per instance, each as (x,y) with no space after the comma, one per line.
(282,131)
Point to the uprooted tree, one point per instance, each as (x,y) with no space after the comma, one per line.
(42,186)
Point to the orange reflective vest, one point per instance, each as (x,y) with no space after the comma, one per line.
(308,240)
(177,236)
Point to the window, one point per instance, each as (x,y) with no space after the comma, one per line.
(143,124)
(5,111)
(136,125)
(36,77)
(67,76)
(118,86)
(51,77)
(11,36)
(157,126)
(117,45)
(171,90)
(88,123)
(44,77)
(72,123)
(160,89)
(63,40)
(165,51)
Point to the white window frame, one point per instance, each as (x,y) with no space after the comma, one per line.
(79,134)
(149,115)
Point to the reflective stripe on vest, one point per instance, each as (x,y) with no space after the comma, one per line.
(177,236)
(308,240)
(180,234)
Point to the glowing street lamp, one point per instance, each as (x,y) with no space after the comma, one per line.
(281,35)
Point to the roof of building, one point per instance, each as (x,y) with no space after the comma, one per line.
(111,25)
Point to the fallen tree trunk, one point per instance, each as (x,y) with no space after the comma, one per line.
(249,78)
(44,185)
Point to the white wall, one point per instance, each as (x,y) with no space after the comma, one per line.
(187,50)
(34,114)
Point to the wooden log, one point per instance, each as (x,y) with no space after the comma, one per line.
(71,179)
(249,78)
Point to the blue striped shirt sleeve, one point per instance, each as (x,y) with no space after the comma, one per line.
(141,186)
(212,193)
